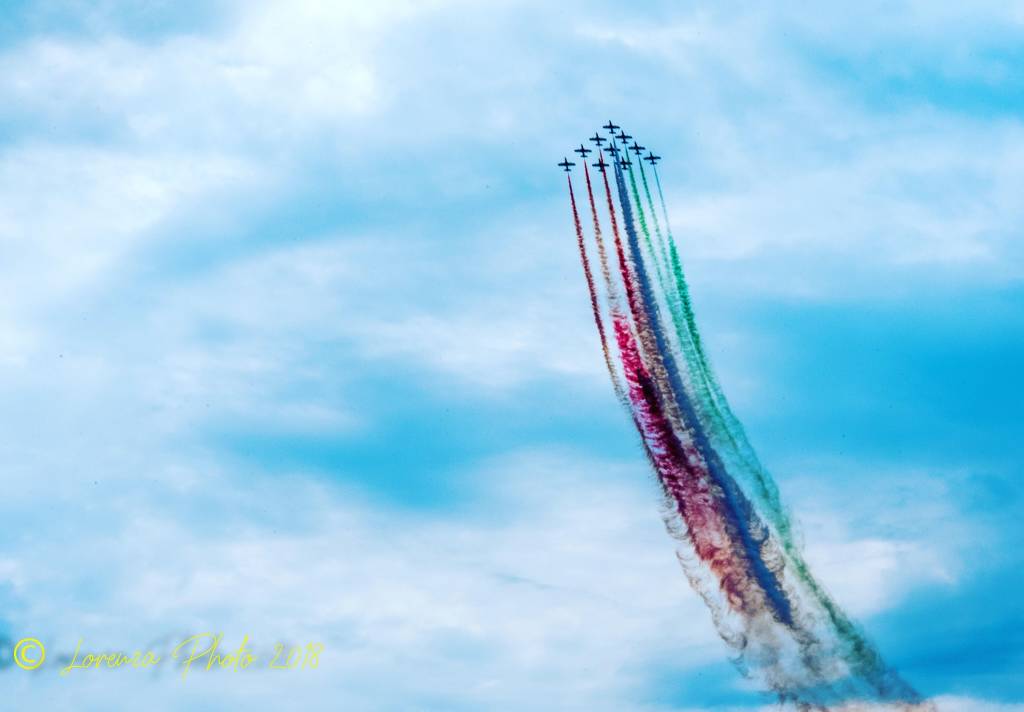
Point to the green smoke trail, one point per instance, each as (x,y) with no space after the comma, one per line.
(729,434)
(723,422)
(716,418)
(704,399)
(659,266)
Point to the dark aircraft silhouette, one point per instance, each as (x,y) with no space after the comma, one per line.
(623,136)
(600,165)
(613,150)
(625,162)
(598,139)
(637,148)
(582,150)
(610,126)
(652,158)
(566,163)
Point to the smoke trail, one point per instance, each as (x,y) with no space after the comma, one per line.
(620,394)
(615,304)
(703,401)
(858,652)
(679,468)
(720,503)
(678,302)
(741,519)
(765,486)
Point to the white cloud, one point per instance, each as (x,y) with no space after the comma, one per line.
(880,199)
(561,592)
(268,72)
(556,583)
(783,177)
(952,703)
(476,318)
(68,214)
(780,182)
(873,546)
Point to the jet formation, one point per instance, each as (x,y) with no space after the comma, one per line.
(613,149)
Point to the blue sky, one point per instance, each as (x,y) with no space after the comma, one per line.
(294,341)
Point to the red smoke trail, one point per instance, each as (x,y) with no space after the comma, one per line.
(593,293)
(635,307)
(682,474)
(613,292)
(681,469)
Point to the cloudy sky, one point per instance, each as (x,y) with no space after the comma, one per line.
(294,343)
